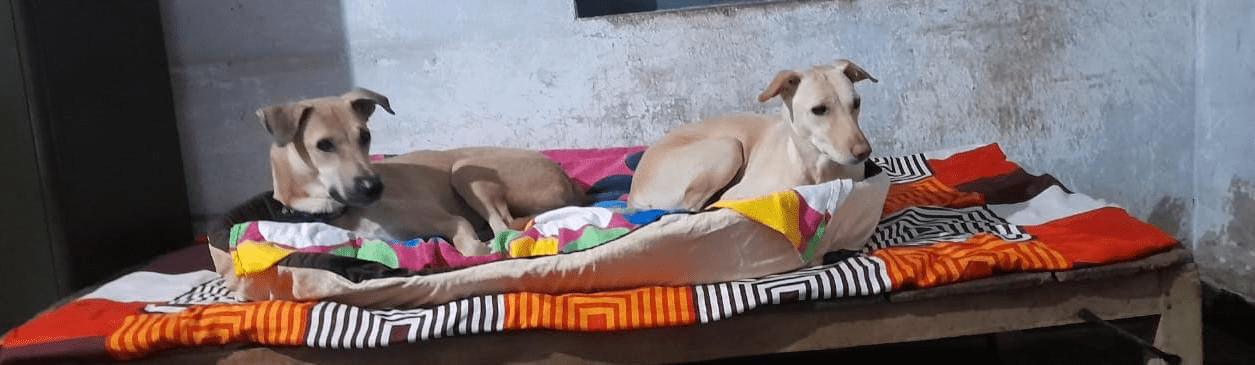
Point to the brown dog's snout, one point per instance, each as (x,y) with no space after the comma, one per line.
(366,190)
(368,186)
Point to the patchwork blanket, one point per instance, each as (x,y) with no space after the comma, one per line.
(936,218)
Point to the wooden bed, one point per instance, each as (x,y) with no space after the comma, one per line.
(1165,286)
(967,244)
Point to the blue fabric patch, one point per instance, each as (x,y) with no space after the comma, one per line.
(610,188)
(611,204)
(645,216)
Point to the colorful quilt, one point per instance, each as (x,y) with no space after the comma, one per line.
(940,218)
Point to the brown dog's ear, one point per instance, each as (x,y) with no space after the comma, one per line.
(364,101)
(784,85)
(853,72)
(282,121)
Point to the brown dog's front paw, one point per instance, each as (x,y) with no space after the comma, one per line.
(521,223)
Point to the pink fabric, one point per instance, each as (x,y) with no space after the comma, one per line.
(252,233)
(438,254)
(587,166)
(809,221)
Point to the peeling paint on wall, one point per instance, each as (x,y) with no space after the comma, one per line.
(1023,49)
(1224,217)
(1171,214)
(1228,255)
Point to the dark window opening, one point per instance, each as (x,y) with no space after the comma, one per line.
(592,8)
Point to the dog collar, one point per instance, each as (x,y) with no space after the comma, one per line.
(293,215)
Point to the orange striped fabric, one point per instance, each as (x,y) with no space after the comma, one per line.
(928,191)
(979,257)
(607,311)
(267,323)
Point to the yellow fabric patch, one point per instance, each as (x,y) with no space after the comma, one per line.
(521,247)
(252,257)
(526,246)
(779,211)
(545,246)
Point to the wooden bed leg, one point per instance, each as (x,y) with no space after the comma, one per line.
(1180,329)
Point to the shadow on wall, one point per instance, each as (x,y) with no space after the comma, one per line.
(229,58)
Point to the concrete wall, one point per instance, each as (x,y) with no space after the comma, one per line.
(1105,95)
(1225,144)
(227,59)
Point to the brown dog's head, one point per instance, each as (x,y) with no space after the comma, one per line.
(320,158)
(822,107)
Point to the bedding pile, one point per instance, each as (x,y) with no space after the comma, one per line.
(926,220)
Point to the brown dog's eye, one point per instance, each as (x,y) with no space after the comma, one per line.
(364,139)
(326,146)
(857,102)
(820,110)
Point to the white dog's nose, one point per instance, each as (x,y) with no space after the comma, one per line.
(861,151)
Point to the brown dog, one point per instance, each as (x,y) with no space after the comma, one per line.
(320,164)
(816,139)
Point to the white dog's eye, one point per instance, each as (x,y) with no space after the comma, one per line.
(820,110)
(325,145)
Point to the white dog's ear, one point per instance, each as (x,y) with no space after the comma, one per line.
(282,121)
(853,72)
(364,101)
(784,85)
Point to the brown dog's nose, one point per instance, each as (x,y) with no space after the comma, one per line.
(369,187)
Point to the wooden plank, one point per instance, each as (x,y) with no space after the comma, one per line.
(1180,329)
(986,285)
(1174,257)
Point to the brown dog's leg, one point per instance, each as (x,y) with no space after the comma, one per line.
(464,237)
(484,192)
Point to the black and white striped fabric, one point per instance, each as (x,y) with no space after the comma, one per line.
(855,276)
(340,326)
(924,225)
(903,169)
(211,292)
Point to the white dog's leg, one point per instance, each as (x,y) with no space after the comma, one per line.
(706,167)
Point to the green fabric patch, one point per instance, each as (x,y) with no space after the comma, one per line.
(380,252)
(501,243)
(813,243)
(593,237)
(237,231)
(348,251)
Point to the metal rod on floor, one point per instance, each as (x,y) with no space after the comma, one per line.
(1090,317)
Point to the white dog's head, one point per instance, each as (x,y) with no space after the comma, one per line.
(320,158)
(822,107)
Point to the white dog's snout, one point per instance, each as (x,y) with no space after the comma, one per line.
(861,151)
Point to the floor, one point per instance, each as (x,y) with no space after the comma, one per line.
(1228,338)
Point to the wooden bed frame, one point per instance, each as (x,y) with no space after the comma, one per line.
(1165,286)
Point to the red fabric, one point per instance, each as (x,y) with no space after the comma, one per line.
(1102,236)
(77,319)
(983,162)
